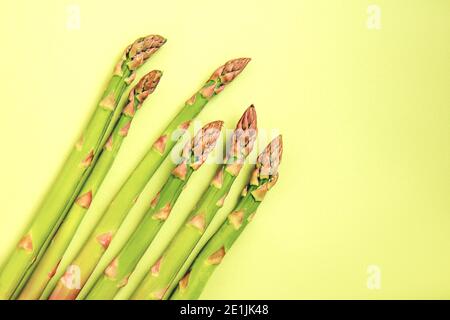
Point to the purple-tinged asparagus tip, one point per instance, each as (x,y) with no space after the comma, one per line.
(269,160)
(223,76)
(147,84)
(140,50)
(230,70)
(141,91)
(244,135)
(196,151)
(248,119)
(203,143)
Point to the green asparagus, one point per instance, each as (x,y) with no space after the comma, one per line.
(116,274)
(97,243)
(263,179)
(47,267)
(157,282)
(75,170)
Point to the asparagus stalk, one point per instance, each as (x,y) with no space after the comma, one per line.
(122,202)
(124,73)
(263,179)
(76,168)
(158,279)
(116,274)
(47,267)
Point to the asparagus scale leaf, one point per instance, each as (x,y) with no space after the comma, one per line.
(122,202)
(263,179)
(47,266)
(75,170)
(157,282)
(120,268)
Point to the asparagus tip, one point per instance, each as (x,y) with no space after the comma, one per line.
(141,91)
(140,50)
(148,83)
(217,125)
(26,243)
(270,158)
(203,143)
(248,119)
(221,77)
(245,134)
(230,70)
(206,139)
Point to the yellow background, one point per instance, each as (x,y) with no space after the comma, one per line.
(364,113)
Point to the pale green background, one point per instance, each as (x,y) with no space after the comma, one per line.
(364,113)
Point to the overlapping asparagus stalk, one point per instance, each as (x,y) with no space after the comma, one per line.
(158,279)
(116,274)
(263,179)
(47,267)
(122,202)
(75,170)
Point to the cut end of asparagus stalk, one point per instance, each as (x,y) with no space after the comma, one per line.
(244,135)
(223,76)
(141,91)
(197,150)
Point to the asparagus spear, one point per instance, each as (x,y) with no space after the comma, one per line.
(133,186)
(116,274)
(156,283)
(47,267)
(76,168)
(263,179)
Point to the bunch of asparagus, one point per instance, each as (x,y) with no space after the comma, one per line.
(75,170)
(123,265)
(48,265)
(103,233)
(28,272)
(263,178)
